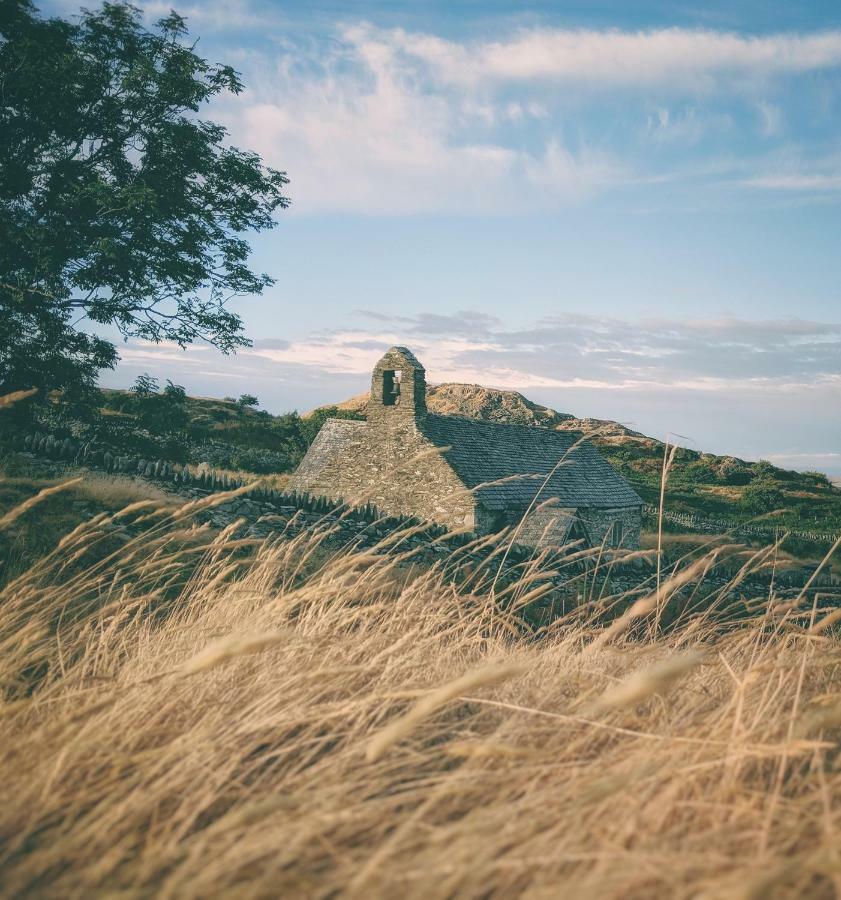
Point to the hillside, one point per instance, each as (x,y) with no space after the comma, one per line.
(718,489)
(706,494)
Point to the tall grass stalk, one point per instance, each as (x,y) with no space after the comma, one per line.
(195,714)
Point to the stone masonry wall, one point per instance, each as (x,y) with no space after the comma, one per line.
(397,470)
(545,526)
(598,523)
(267,513)
(549,526)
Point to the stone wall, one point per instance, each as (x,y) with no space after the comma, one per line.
(599,523)
(395,462)
(393,467)
(546,525)
(384,406)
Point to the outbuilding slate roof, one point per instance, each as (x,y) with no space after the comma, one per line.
(493,455)
(483,452)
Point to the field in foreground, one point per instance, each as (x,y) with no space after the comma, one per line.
(190,714)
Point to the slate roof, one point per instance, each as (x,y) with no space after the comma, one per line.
(483,452)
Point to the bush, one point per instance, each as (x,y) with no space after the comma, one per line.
(730,470)
(763,469)
(820,478)
(159,412)
(247,401)
(260,461)
(761,496)
(697,473)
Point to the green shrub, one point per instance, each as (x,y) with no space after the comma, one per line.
(761,496)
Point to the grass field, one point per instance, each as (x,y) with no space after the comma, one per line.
(190,714)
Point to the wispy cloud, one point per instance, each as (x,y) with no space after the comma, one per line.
(613,58)
(359,132)
(387,121)
(571,351)
(796,181)
(390,121)
(750,388)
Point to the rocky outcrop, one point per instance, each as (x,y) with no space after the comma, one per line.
(509,407)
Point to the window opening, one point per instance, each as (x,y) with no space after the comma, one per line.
(617,533)
(391,387)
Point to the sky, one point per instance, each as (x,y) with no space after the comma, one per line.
(624,211)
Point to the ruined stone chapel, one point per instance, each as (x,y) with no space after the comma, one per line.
(464,472)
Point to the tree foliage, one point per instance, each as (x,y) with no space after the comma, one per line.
(119,205)
(247,401)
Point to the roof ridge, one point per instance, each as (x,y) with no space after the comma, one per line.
(541,429)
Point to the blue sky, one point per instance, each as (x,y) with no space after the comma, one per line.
(626,211)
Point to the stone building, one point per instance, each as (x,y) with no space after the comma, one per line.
(457,471)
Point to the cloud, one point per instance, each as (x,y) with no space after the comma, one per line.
(753,388)
(612,58)
(392,122)
(360,133)
(388,121)
(771,118)
(711,356)
(828,462)
(796,181)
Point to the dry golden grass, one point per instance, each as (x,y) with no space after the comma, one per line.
(97,487)
(199,716)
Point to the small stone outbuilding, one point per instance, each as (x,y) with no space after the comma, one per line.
(463,472)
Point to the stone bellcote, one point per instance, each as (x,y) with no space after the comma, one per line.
(398,388)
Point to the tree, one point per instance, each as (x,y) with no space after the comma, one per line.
(144,386)
(159,412)
(119,206)
(247,401)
